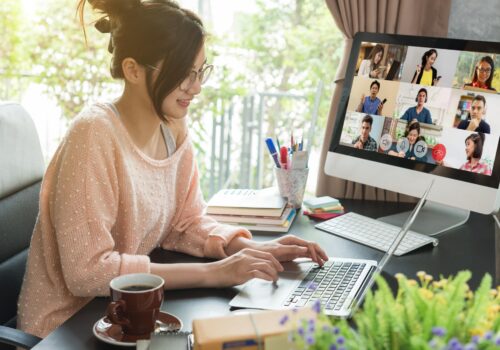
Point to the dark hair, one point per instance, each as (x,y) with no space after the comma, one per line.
(367,119)
(480,98)
(488,60)
(412,126)
(426,56)
(150,32)
(376,49)
(375,83)
(478,140)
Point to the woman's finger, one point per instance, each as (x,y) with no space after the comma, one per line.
(265,256)
(265,268)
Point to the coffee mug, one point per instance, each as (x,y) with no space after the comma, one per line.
(136,301)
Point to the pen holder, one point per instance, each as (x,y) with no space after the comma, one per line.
(292,184)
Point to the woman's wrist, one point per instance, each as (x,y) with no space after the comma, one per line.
(237,244)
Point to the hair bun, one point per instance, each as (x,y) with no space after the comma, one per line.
(103,25)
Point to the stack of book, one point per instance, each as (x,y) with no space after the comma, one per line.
(256,210)
(323,208)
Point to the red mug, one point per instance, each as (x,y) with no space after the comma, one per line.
(136,301)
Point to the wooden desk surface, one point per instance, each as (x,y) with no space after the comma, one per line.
(471,246)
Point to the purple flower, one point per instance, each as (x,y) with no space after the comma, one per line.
(438,331)
(488,335)
(295,310)
(497,341)
(340,340)
(342,348)
(312,326)
(336,330)
(454,344)
(317,306)
(310,340)
(475,339)
(333,347)
(300,330)
(284,320)
(326,328)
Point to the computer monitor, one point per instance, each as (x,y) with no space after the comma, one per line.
(437,118)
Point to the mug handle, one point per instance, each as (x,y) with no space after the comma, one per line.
(115,311)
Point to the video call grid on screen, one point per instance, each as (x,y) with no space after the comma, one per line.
(444,120)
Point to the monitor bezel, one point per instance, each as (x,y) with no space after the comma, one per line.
(437,43)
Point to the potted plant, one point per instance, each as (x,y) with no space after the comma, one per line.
(424,314)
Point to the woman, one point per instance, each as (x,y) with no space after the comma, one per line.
(370,68)
(426,74)
(412,133)
(124,180)
(474,151)
(483,74)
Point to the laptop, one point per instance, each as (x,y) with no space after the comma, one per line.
(393,70)
(341,284)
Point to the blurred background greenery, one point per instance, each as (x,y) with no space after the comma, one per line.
(268,53)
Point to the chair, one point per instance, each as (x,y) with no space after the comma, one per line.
(21,171)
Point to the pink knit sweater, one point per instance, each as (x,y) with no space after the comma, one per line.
(104,206)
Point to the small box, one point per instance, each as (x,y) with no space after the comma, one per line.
(246,331)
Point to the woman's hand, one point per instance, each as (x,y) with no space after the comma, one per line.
(286,248)
(243,266)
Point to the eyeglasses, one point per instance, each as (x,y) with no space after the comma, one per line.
(202,75)
(484,70)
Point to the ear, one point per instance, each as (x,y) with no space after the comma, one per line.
(133,72)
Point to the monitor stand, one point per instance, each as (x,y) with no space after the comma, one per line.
(433,218)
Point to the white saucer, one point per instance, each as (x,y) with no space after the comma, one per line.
(112,333)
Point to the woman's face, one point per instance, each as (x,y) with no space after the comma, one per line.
(378,57)
(431,59)
(412,136)
(469,148)
(483,71)
(176,104)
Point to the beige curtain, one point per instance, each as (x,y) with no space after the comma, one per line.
(411,17)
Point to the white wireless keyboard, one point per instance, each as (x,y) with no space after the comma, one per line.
(374,233)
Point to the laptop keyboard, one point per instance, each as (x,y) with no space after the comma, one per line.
(374,233)
(331,284)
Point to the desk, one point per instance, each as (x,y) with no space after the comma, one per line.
(471,246)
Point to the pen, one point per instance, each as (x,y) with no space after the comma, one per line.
(272,150)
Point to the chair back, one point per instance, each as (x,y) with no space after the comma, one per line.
(21,172)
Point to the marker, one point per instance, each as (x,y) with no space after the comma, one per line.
(284,157)
(272,150)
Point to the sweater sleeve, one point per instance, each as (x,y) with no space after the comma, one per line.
(193,232)
(84,210)
(364,69)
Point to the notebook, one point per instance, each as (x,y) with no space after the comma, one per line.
(340,285)
(265,202)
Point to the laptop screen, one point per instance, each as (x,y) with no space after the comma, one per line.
(434,108)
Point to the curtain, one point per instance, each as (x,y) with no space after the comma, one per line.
(410,17)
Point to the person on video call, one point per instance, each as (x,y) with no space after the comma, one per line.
(364,140)
(483,74)
(419,112)
(412,133)
(476,122)
(474,151)
(371,104)
(125,181)
(426,74)
(369,68)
